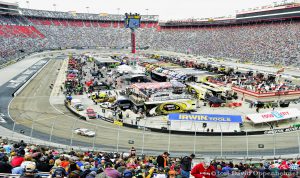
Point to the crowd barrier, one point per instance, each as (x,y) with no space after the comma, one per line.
(42,174)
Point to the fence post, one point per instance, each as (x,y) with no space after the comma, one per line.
(71,142)
(51,132)
(274,143)
(13,130)
(31,131)
(195,138)
(221,144)
(118,138)
(94,139)
(143,144)
(298,142)
(247,144)
(169,140)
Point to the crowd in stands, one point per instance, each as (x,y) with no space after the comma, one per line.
(271,43)
(275,43)
(30,160)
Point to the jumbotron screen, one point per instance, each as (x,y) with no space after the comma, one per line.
(132,21)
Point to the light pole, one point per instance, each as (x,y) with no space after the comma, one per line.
(71,142)
(31,130)
(169,140)
(274,142)
(147,11)
(13,130)
(54,7)
(87,9)
(221,140)
(247,144)
(195,137)
(274,139)
(118,9)
(27,2)
(298,141)
(118,138)
(51,132)
(94,139)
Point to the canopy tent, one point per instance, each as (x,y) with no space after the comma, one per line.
(154,85)
(274,116)
(124,68)
(177,84)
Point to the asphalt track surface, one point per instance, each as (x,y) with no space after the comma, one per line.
(31,109)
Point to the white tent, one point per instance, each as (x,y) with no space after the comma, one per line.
(273,116)
(124,69)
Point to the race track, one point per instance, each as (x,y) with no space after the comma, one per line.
(31,108)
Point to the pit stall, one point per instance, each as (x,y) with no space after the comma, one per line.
(159,98)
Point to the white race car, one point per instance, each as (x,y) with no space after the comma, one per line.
(84,132)
(1,118)
(106,105)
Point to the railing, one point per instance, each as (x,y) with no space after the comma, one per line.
(267,94)
(42,174)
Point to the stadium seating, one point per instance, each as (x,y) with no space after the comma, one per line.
(269,43)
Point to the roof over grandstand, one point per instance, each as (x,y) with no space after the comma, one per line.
(180,9)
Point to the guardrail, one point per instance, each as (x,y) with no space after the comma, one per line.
(42,174)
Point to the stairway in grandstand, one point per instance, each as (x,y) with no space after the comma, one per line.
(17,26)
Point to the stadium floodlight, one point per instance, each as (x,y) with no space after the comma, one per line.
(27,2)
(54,7)
(147,11)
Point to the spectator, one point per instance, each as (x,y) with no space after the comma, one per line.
(204,170)
(43,166)
(110,171)
(17,160)
(162,160)
(30,171)
(186,165)
(5,167)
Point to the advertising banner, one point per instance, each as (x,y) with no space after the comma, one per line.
(205,117)
(275,115)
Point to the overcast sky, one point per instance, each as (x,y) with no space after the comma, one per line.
(166,9)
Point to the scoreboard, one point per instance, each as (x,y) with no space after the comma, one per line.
(132,21)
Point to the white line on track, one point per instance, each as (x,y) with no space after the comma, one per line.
(8,113)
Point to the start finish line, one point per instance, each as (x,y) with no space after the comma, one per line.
(205,117)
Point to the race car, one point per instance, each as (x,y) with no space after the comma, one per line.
(91,113)
(2,120)
(84,132)
(107,105)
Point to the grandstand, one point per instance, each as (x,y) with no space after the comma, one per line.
(273,41)
(262,36)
